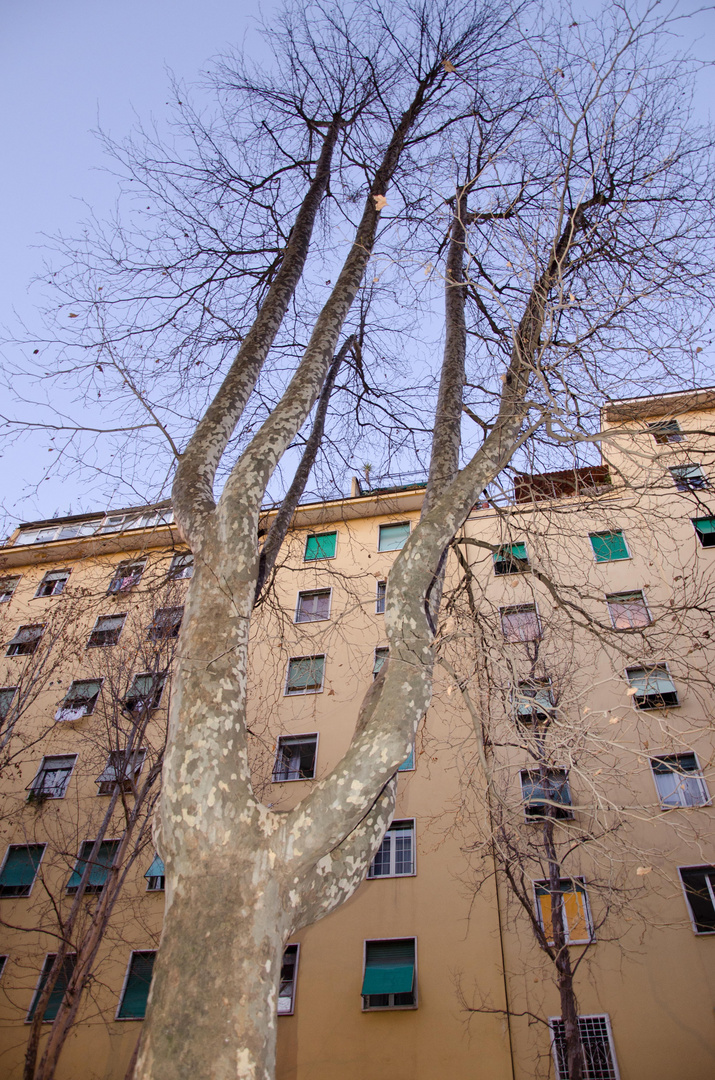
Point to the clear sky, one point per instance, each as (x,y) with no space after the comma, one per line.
(67,66)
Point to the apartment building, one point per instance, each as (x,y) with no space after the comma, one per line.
(576,674)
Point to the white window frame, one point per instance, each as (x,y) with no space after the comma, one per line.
(91,890)
(378,583)
(135,579)
(379,649)
(160,677)
(37,871)
(28,1019)
(522,641)
(86,712)
(584,1016)
(36,640)
(302,592)
(171,572)
(711,890)
(297,779)
(629,592)
(290,1012)
(31,788)
(323,558)
(118,615)
(536,818)
(706,797)
(601,532)
(302,693)
(392,551)
(392,876)
(703,481)
(17,578)
(131,1019)
(389,1008)
(49,596)
(647,665)
(587,907)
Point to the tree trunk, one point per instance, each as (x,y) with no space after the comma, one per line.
(564,973)
(219,971)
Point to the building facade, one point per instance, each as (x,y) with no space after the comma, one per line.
(571,727)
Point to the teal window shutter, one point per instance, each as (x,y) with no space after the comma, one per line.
(305,673)
(156,869)
(511,559)
(20,869)
(100,867)
(608,546)
(393,537)
(389,967)
(58,990)
(409,762)
(321,546)
(705,528)
(136,988)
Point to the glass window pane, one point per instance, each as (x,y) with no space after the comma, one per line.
(393,537)
(305,674)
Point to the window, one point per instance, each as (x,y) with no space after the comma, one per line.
(182,567)
(320,546)
(132,1004)
(704,528)
(166,623)
(546,794)
(155,876)
(380,598)
(289,971)
(305,674)
(295,758)
(389,978)
(80,700)
(653,687)
(106,631)
(699,885)
(3,962)
(58,990)
(533,701)
(7,695)
(393,537)
(409,763)
(20,868)
(628,610)
(120,768)
(511,559)
(575,912)
(53,583)
(396,855)
(126,576)
(313,606)
(520,622)
(679,780)
(666,431)
(598,1052)
(609,546)
(26,640)
(133,520)
(381,655)
(99,867)
(145,692)
(54,776)
(7,588)
(45,534)
(688,477)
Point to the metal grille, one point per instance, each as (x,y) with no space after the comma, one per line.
(599,1060)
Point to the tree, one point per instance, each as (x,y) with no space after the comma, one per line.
(570,203)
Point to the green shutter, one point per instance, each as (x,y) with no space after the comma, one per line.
(393,537)
(100,867)
(58,990)
(705,526)
(608,546)
(409,762)
(321,546)
(136,990)
(389,967)
(20,868)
